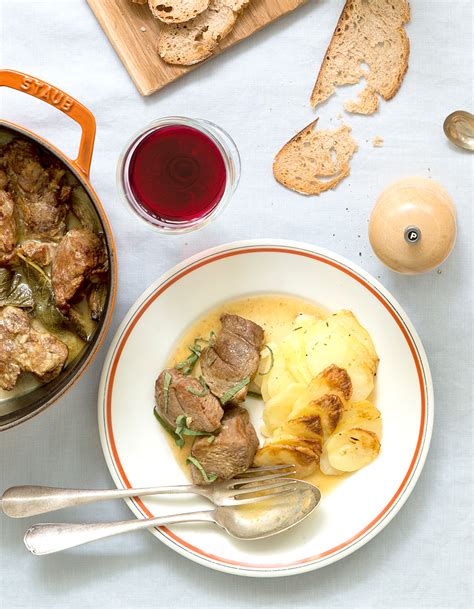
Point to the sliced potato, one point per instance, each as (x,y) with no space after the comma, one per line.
(302,440)
(348,320)
(321,385)
(319,417)
(278,408)
(363,415)
(278,378)
(326,348)
(352,449)
(294,352)
(318,368)
(326,467)
(303,320)
(342,341)
(284,454)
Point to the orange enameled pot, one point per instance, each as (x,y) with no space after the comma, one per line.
(15,410)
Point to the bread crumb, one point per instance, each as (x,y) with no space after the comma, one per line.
(143,29)
(377,141)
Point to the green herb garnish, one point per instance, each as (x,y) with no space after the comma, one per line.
(206,477)
(179,441)
(166,388)
(228,395)
(203,392)
(33,265)
(254,394)
(272,361)
(13,291)
(187,365)
(182,428)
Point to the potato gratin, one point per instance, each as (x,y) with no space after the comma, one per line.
(315,383)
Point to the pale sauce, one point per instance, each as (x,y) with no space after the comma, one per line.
(275,314)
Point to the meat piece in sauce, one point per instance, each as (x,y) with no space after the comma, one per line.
(40,252)
(96,299)
(7,228)
(233,450)
(204,412)
(39,192)
(3,177)
(233,356)
(24,349)
(80,257)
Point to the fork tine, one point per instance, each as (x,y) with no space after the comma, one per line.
(238,481)
(262,487)
(231,501)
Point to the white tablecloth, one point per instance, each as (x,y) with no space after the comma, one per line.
(259,92)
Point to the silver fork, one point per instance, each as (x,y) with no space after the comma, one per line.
(22,501)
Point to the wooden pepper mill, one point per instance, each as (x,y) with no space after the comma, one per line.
(412,228)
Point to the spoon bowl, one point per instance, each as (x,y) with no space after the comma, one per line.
(269,516)
(459,129)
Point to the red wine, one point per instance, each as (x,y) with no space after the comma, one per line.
(177,173)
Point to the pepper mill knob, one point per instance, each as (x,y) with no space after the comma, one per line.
(412,228)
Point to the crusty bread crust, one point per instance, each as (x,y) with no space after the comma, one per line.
(177,11)
(306,163)
(196,40)
(370,33)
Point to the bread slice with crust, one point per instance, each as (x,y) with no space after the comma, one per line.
(177,11)
(191,42)
(315,161)
(369,33)
(236,5)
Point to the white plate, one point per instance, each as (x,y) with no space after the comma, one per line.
(138,454)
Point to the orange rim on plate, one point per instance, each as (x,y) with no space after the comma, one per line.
(410,477)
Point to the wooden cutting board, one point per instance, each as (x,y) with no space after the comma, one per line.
(133,32)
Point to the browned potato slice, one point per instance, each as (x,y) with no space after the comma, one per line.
(349,450)
(319,416)
(302,458)
(363,415)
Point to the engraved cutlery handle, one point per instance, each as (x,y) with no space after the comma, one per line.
(48,538)
(22,501)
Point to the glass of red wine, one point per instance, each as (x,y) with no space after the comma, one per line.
(178,173)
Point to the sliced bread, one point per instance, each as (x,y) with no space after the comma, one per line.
(177,11)
(315,161)
(193,41)
(368,32)
(236,5)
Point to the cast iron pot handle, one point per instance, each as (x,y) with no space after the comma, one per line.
(62,101)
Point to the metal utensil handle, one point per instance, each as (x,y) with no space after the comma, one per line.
(22,501)
(41,539)
(62,101)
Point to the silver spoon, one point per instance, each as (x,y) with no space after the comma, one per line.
(459,129)
(268,517)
